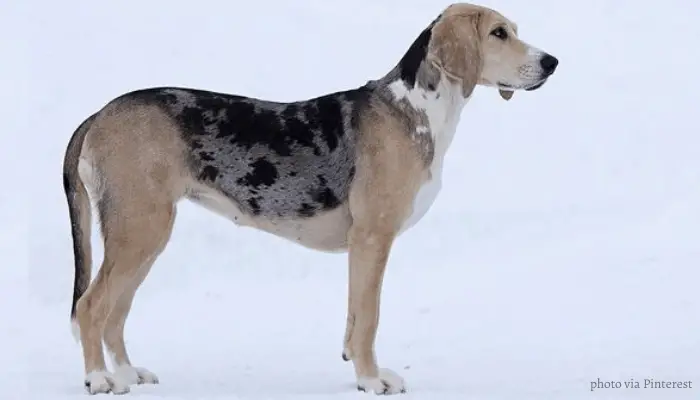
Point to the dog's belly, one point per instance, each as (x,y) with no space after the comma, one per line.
(422,202)
(325,231)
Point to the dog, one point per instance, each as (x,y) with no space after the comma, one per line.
(343,172)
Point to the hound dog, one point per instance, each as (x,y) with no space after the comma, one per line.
(347,171)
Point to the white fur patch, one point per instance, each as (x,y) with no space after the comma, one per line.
(534,52)
(105,382)
(131,375)
(134,376)
(443,108)
(388,382)
(75,329)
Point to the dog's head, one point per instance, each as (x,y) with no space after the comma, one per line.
(480,46)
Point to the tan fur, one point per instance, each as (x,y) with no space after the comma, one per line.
(456,46)
(137,165)
(464,30)
(389,173)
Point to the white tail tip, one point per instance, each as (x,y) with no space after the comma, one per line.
(75,329)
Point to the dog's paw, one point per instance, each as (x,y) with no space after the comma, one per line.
(134,375)
(105,382)
(388,382)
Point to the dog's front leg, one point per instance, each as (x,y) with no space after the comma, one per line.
(369,251)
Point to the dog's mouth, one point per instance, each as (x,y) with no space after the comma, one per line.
(507,87)
(536,85)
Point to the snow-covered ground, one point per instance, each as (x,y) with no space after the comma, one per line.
(564,247)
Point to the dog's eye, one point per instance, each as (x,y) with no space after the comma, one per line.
(500,33)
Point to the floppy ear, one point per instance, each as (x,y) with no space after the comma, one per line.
(506,94)
(456,47)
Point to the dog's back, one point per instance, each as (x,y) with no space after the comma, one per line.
(273,160)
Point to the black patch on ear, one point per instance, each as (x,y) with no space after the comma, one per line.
(410,62)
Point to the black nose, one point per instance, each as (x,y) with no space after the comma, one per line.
(549,63)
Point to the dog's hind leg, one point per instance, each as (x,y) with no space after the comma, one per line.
(114,326)
(137,163)
(135,231)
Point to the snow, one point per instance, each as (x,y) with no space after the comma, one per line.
(563,247)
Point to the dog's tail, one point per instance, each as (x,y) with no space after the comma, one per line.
(80,215)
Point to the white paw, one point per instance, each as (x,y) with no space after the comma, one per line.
(105,382)
(134,375)
(388,382)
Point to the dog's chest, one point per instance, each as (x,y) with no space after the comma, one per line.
(441,111)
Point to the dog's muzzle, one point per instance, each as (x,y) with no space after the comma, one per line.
(548,63)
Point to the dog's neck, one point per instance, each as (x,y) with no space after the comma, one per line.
(432,103)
